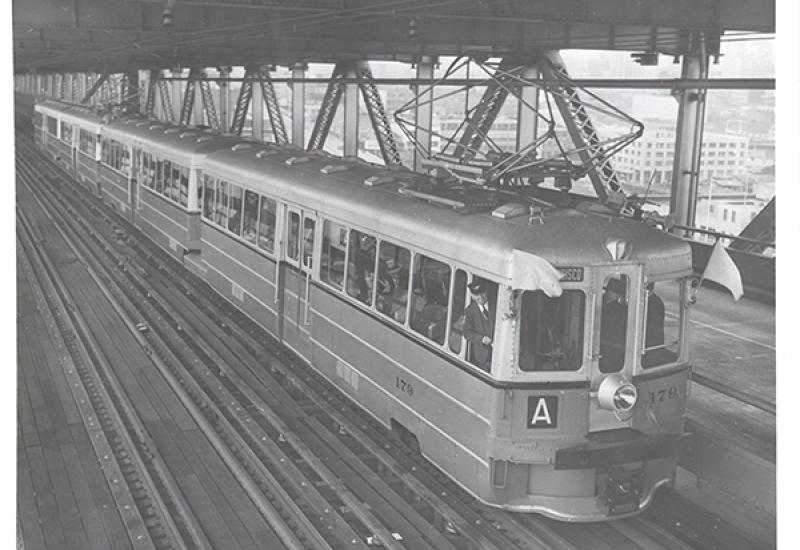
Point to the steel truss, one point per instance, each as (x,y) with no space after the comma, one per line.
(197,77)
(261,76)
(372,101)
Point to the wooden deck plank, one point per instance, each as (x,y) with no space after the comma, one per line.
(85,503)
(45,499)
(228,487)
(193,477)
(27,510)
(64,496)
(98,487)
(119,349)
(25,416)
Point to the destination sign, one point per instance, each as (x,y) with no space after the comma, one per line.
(571,274)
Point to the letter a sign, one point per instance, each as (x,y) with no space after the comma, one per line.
(542,411)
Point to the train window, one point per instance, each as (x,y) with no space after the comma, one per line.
(266,224)
(394,265)
(457,318)
(551,331)
(334,246)
(66,132)
(183,178)
(614,323)
(361,266)
(167,171)
(250,217)
(430,293)
(293,246)
(662,331)
(52,126)
(175,192)
(235,210)
(86,143)
(221,209)
(158,172)
(308,241)
(208,197)
(126,160)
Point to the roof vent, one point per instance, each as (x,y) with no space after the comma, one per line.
(142,123)
(156,126)
(510,210)
(291,161)
(185,135)
(240,146)
(201,139)
(333,168)
(376,181)
(172,130)
(266,153)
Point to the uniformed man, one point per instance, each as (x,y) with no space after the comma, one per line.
(479,326)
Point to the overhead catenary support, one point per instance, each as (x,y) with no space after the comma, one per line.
(688,137)
(480,120)
(581,129)
(130,92)
(298,104)
(423,113)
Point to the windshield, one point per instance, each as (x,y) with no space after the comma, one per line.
(662,323)
(551,331)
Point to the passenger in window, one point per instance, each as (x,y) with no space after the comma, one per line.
(479,326)
(613,326)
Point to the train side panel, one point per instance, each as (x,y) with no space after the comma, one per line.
(243,275)
(385,370)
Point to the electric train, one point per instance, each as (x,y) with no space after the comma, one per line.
(364,272)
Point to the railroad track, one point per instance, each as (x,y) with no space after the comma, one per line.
(152,509)
(256,370)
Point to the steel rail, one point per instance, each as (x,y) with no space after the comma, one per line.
(730,391)
(112,410)
(187,390)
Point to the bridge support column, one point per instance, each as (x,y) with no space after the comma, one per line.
(257,109)
(298,105)
(423,116)
(350,131)
(688,139)
(527,121)
(224,98)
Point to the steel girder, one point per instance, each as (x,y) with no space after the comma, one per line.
(197,77)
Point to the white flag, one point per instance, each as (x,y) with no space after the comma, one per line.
(722,270)
(531,272)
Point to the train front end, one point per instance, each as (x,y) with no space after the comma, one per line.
(590,423)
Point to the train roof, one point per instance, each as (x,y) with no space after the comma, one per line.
(336,188)
(181,144)
(80,115)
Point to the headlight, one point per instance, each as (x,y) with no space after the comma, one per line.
(617,394)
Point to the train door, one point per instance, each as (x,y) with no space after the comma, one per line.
(298,245)
(616,338)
